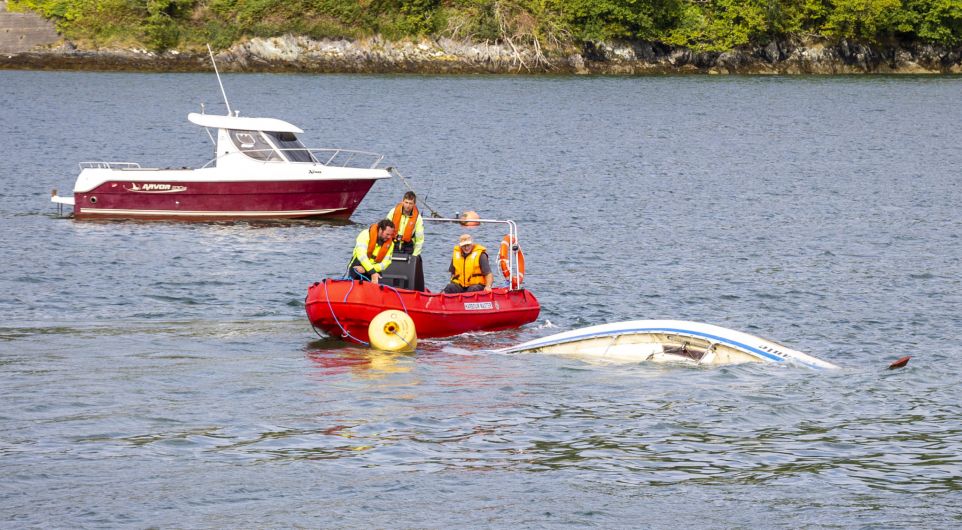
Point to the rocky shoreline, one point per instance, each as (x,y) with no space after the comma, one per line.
(444,56)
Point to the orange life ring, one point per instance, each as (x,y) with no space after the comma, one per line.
(503,262)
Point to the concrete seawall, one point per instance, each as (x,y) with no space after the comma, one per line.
(20,32)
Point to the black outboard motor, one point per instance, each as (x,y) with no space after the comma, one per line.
(405,272)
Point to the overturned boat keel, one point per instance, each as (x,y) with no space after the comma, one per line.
(666,341)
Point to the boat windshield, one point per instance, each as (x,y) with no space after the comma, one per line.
(252,144)
(292,148)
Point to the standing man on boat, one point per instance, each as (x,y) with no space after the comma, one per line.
(470,271)
(408,272)
(372,251)
(410,227)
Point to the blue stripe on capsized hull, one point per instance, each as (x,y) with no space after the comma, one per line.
(745,347)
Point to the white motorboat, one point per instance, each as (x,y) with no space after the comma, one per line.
(260,170)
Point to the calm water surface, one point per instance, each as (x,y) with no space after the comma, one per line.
(160,374)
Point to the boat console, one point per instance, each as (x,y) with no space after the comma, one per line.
(405,272)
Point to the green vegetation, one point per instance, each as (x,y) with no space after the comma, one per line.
(703,25)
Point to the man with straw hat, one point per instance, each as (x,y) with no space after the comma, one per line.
(469,268)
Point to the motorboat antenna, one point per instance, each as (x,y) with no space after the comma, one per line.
(211,52)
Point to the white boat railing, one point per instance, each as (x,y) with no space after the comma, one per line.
(347,155)
(324,157)
(109,165)
(513,249)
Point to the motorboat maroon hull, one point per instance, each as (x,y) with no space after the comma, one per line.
(260,171)
(345,308)
(197,200)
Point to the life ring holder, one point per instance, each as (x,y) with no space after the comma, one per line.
(504,261)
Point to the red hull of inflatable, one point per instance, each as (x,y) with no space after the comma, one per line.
(355,304)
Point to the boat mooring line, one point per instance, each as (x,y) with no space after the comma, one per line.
(331,308)
(394,170)
(403,339)
(345,333)
(398,293)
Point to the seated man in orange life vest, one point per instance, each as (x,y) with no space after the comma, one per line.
(469,268)
(372,251)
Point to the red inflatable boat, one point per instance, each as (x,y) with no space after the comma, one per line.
(344,308)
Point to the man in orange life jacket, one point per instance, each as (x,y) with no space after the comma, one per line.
(469,268)
(410,227)
(372,251)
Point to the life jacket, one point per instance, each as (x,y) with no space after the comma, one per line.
(372,243)
(409,228)
(467,270)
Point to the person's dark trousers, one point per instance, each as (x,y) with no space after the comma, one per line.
(453,288)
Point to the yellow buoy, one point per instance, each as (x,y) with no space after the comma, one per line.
(393,330)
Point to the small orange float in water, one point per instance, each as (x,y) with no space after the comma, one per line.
(467,216)
(900,363)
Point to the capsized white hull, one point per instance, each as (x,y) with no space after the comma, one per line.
(666,341)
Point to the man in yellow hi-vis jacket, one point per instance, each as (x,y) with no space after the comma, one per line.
(409,226)
(372,251)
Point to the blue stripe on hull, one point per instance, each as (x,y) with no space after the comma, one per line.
(716,338)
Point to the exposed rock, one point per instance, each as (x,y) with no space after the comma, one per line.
(772,52)
(577,63)
(302,54)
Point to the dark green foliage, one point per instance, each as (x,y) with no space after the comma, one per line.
(548,24)
(934,20)
(597,20)
(160,27)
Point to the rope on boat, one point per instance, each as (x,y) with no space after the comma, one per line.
(434,213)
(400,299)
(402,338)
(318,333)
(344,332)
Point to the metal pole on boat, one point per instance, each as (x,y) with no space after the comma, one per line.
(211,52)
(513,262)
(512,252)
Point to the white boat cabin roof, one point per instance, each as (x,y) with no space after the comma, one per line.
(242,123)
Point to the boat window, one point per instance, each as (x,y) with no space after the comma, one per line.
(292,148)
(252,144)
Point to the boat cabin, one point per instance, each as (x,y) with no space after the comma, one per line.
(242,140)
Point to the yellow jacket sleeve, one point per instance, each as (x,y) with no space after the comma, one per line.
(418,236)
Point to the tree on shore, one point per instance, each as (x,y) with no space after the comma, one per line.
(545,25)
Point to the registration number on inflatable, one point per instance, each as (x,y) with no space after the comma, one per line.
(477,306)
